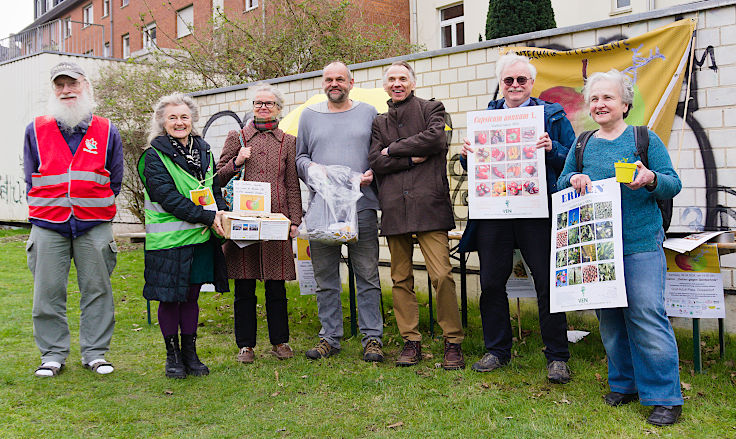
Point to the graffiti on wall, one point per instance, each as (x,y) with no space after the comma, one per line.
(712,216)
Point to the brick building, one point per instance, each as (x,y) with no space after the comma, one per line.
(121,28)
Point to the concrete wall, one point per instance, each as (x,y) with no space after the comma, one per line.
(463,78)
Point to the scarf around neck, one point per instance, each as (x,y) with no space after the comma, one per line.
(190,153)
(267,124)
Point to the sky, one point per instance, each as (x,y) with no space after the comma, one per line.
(14,16)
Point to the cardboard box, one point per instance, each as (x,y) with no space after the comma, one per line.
(243,225)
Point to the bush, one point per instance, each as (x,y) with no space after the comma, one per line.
(513,17)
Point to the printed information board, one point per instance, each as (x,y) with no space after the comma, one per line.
(694,286)
(506,171)
(587,265)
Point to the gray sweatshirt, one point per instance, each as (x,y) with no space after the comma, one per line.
(342,138)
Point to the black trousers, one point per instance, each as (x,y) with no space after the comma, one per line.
(496,241)
(245,312)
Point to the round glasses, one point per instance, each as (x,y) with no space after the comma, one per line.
(509,80)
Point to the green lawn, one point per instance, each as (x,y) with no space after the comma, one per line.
(338,397)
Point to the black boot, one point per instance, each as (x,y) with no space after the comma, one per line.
(191,360)
(174,363)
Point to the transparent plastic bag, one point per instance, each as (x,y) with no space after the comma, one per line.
(332,215)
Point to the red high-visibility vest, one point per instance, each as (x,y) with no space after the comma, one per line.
(67,185)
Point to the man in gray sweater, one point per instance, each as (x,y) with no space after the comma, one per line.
(338,132)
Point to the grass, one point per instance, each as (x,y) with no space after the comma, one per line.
(340,396)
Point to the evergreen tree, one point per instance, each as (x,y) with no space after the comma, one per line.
(513,17)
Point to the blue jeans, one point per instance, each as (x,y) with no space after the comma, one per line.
(639,340)
(364,257)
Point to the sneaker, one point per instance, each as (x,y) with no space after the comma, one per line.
(453,359)
(558,372)
(488,363)
(246,355)
(322,350)
(282,351)
(664,415)
(372,351)
(410,354)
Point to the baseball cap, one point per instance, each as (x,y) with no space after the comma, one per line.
(66,68)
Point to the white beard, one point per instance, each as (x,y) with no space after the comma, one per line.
(72,115)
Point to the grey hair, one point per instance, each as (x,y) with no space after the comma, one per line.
(404,64)
(264,86)
(157,118)
(509,60)
(350,74)
(616,77)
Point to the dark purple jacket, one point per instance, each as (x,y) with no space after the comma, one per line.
(74,228)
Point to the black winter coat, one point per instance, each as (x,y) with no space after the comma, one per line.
(167,271)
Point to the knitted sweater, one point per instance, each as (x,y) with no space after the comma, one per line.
(641,219)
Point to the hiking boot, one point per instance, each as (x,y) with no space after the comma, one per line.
(372,351)
(410,354)
(558,372)
(322,350)
(282,351)
(246,355)
(189,354)
(615,399)
(488,363)
(664,415)
(453,359)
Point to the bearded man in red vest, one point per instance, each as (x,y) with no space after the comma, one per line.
(73,164)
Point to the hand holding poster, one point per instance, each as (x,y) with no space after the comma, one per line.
(587,263)
(506,172)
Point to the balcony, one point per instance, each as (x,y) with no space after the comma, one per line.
(63,35)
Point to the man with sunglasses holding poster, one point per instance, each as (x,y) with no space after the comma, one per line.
(495,239)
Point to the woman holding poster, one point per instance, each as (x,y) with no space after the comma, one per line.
(183,203)
(264,153)
(639,341)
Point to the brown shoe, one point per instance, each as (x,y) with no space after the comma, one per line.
(454,359)
(282,351)
(246,355)
(410,354)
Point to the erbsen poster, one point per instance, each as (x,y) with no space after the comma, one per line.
(587,264)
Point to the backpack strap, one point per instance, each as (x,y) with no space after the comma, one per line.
(580,147)
(641,139)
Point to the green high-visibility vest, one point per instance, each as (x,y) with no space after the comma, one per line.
(164,230)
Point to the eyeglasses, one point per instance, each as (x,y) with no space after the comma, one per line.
(509,81)
(267,104)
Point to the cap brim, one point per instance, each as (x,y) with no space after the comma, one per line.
(73,75)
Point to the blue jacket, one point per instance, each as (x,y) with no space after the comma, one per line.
(563,137)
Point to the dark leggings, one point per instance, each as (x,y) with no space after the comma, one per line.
(245,312)
(184,315)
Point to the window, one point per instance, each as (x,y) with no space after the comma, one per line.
(149,36)
(105,8)
(452,26)
(619,6)
(88,17)
(124,3)
(66,27)
(184,21)
(251,4)
(126,46)
(107,53)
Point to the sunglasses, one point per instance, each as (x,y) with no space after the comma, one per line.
(509,81)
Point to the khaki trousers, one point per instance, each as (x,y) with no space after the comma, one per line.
(436,250)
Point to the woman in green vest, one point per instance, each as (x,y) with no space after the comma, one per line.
(183,210)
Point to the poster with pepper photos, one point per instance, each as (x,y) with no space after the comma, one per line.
(587,261)
(506,173)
